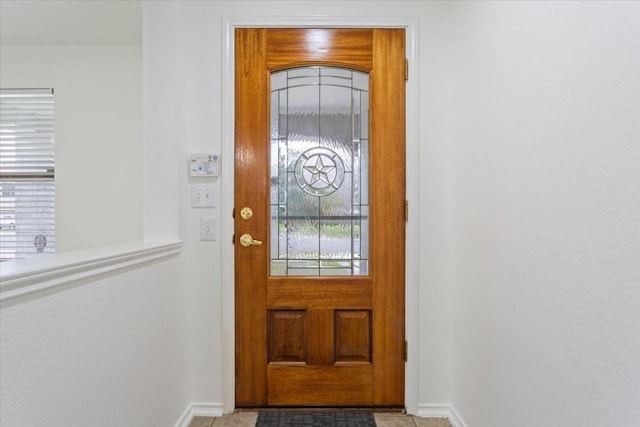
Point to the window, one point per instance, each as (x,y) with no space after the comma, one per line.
(319,172)
(27,171)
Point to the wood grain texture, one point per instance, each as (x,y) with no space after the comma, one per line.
(319,385)
(287,336)
(320,341)
(353,327)
(352,336)
(388,224)
(251,160)
(289,47)
(319,292)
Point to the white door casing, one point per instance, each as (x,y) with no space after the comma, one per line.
(410,24)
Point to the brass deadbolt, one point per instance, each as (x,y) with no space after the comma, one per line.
(246,213)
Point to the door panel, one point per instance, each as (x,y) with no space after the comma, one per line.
(320,341)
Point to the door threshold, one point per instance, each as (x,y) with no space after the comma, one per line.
(372,409)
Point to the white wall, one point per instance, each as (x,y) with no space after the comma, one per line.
(546,214)
(98,129)
(434,240)
(110,351)
(200,106)
(182,68)
(528,206)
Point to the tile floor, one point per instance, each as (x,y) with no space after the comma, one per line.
(382,420)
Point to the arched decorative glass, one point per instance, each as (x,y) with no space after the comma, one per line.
(319,172)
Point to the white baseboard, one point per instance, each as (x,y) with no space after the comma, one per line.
(200,410)
(440,410)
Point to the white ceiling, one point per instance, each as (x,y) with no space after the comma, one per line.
(29,22)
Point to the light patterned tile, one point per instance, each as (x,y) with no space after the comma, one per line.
(432,422)
(393,420)
(201,422)
(236,420)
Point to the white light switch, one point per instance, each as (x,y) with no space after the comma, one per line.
(207,228)
(202,196)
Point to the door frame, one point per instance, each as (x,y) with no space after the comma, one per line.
(410,24)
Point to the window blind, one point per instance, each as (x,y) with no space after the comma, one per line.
(27,173)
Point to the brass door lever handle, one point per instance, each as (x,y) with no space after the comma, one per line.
(246,240)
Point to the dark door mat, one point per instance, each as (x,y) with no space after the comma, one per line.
(315,419)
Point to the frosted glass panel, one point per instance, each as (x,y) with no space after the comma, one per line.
(319,172)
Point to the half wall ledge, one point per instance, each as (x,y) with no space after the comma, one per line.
(26,276)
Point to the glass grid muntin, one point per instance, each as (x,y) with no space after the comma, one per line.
(318,262)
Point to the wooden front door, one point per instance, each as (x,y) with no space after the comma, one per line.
(319,254)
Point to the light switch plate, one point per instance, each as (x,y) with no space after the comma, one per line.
(202,196)
(207,228)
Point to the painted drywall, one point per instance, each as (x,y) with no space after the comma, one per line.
(165,156)
(528,262)
(434,213)
(110,351)
(198,61)
(98,131)
(182,71)
(545,137)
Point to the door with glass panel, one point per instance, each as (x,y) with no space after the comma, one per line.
(319,217)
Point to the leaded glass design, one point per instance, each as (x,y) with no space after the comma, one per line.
(319,172)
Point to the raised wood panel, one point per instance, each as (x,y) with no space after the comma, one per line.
(328,46)
(320,385)
(352,336)
(287,335)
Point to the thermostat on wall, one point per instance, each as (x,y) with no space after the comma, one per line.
(203,165)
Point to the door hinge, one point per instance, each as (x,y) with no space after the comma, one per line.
(233,213)
(406,211)
(406,69)
(233,239)
(406,351)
